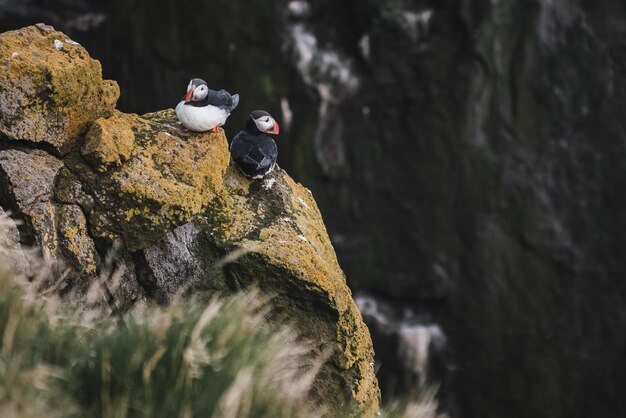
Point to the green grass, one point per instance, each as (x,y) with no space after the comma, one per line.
(193,358)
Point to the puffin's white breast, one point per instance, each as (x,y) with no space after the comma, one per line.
(200,119)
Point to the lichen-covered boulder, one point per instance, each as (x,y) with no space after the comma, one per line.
(156,211)
(50,88)
(194,223)
(280,243)
(270,234)
(109,142)
(170,176)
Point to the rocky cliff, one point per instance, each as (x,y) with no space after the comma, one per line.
(473,179)
(100,190)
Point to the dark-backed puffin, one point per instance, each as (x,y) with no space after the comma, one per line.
(203,109)
(253,151)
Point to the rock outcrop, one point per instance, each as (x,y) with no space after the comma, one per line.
(161,210)
(44,71)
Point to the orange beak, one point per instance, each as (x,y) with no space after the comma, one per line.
(188,96)
(275,129)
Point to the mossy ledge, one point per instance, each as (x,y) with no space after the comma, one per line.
(180,218)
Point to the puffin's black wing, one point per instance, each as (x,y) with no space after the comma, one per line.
(222,99)
(269,150)
(254,154)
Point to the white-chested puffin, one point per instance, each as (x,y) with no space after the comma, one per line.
(203,109)
(253,151)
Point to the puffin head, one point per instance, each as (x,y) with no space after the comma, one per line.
(197,89)
(264,122)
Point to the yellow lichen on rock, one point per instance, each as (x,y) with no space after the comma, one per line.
(186,219)
(277,224)
(74,239)
(50,88)
(169,177)
(109,142)
(232,209)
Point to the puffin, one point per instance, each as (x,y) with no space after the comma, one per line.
(203,109)
(252,150)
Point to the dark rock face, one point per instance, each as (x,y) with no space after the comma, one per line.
(542,243)
(496,190)
(477,169)
(185,259)
(410,347)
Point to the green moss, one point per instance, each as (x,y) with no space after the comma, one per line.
(208,359)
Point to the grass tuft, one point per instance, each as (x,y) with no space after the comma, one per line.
(193,358)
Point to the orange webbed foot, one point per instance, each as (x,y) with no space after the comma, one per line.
(215,129)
